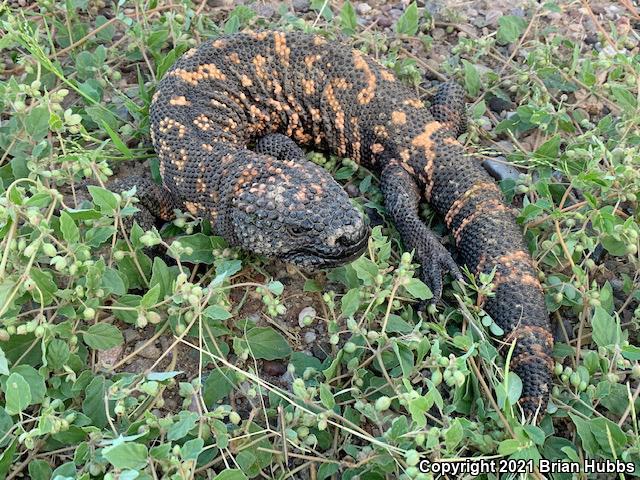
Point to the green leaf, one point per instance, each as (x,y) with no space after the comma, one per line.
(163,275)
(312,285)
(366,270)
(6,424)
(45,293)
(4,363)
(186,422)
(507,447)
(408,21)
(326,397)
(267,343)
(151,297)
(126,455)
(216,312)
(218,385)
(35,380)
(57,354)
(606,330)
(202,246)
(112,282)
(327,469)
(117,141)
(98,235)
(624,98)
(350,302)
(103,199)
(94,405)
(39,470)
(232,474)
(471,78)
(348,20)
(453,435)
(510,27)
(191,449)
(418,289)
(276,287)
(69,228)
(17,394)
(549,150)
(103,336)
(6,458)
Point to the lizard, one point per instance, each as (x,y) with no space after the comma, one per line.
(227,122)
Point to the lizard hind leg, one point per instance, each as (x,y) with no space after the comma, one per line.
(448,107)
(402,199)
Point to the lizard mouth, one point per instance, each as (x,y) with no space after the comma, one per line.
(327,257)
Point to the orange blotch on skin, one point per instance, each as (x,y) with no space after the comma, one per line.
(192,207)
(387,75)
(398,117)
(460,202)
(179,100)
(245,81)
(377,148)
(282,50)
(368,92)
(200,186)
(414,102)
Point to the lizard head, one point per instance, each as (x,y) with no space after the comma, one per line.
(297,212)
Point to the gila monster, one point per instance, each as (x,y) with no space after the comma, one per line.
(226,122)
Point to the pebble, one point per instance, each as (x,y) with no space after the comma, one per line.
(384,21)
(498,105)
(150,351)
(264,10)
(500,170)
(310,337)
(111,356)
(363,8)
(131,335)
(301,5)
(273,368)
(438,33)
(492,17)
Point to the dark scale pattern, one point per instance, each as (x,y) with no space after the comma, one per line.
(278,90)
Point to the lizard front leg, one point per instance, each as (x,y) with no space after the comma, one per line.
(402,199)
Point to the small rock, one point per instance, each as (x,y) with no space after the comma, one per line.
(310,337)
(273,368)
(304,313)
(384,21)
(395,13)
(492,17)
(301,5)
(264,10)
(498,105)
(500,170)
(438,33)
(108,358)
(220,3)
(130,335)
(363,8)
(150,351)
(352,190)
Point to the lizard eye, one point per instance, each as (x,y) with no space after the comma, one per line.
(297,230)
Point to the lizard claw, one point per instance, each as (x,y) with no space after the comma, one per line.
(436,261)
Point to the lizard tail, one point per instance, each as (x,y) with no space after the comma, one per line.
(488,238)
